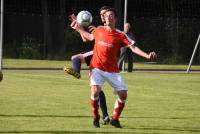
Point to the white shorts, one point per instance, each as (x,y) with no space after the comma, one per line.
(98,77)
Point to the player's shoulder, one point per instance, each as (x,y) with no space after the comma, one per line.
(100,27)
(120,33)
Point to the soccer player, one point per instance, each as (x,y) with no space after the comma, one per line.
(124,52)
(87,53)
(86,57)
(103,66)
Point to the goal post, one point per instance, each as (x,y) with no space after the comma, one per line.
(193,54)
(125,21)
(1,40)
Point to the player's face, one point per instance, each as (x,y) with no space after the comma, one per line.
(102,15)
(110,18)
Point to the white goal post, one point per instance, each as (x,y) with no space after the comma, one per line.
(193,54)
(1,40)
(125,21)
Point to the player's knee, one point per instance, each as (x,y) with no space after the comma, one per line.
(78,58)
(74,57)
(95,91)
(123,94)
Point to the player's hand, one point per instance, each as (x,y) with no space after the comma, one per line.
(72,17)
(152,55)
(91,28)
(75,25)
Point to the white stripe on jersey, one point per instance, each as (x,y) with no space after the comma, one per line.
(129,39)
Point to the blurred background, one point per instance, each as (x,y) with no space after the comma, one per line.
(39,29)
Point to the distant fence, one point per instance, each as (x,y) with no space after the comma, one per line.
(170,27)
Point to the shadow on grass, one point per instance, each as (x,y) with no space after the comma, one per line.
(40,116)
(148,129)
(156,128)
(178,118)
(67,132)
(79,116)
(184,129)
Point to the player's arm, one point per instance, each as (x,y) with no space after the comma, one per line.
(83,33)
(87,36)
(91,29)
(73,18)
(137,50)
(141,53)
(83,38)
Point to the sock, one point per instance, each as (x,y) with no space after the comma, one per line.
(103,104)
(76,63)
(94,102)
(119,105)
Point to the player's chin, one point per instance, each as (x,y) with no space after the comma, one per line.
(103,21)
(108,24)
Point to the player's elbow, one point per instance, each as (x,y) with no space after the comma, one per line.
(91,37)
(84,40)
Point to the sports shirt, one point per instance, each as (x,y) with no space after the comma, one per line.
(106,48)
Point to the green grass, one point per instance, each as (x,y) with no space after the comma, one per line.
(24,63)
(54,103)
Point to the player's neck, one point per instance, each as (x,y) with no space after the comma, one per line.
(110,28)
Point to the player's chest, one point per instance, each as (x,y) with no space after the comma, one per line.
(109,39)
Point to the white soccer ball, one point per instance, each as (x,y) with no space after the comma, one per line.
(84,18)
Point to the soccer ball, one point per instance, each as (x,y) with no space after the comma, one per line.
(84,18)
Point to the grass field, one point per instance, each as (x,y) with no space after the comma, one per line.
(24,63)
(54,103)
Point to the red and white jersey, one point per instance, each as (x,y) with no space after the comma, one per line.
(106,48)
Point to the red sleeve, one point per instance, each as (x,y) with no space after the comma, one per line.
(126,41)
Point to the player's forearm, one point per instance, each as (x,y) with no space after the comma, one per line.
(139,52)
(85,35)
(83,38)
